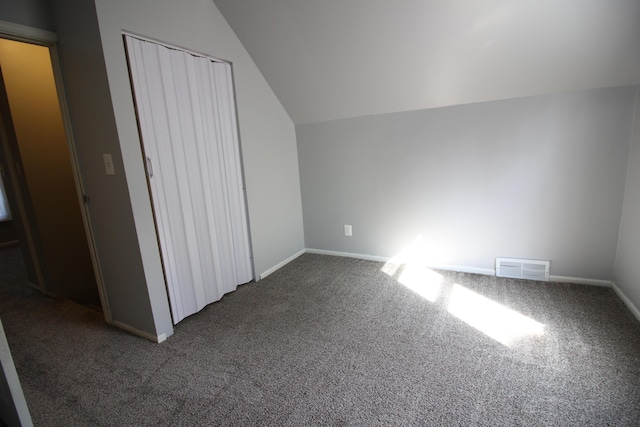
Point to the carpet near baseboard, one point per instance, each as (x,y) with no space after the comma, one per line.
(335,341)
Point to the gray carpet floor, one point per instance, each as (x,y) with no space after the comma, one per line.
(336,341)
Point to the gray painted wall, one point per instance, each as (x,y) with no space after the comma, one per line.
(32,13)
(110,209)
(97,86)
(267,133)
(94,132)
(539,177)
(92,119)
(627,273)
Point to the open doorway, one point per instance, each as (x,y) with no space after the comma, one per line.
(39,176)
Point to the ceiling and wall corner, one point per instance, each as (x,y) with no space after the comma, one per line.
(336,59)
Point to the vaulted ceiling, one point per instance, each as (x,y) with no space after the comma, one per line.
(333,59)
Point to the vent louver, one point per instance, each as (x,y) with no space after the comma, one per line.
(522,269)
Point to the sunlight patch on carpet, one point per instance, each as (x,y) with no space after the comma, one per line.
(411,266)
(491,318)
(423,281)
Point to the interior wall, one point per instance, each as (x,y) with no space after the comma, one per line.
(32,13)
(267,134)
(539,177)
(627,273)
(102,112)
(92,118)
(35,14)
(46,164)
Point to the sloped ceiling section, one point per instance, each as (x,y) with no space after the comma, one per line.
(332,59)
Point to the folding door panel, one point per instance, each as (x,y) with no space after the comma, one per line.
(186,115)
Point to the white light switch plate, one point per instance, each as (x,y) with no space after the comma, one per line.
(348,231)
(108,164)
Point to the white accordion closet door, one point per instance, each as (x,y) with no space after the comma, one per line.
(187,120)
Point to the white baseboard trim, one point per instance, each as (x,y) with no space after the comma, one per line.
(460,268)
(348,255)
(138,332)
(630,305)
(581,281)
(466,269)
(281,264)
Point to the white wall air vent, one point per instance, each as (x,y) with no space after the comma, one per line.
(522,268)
